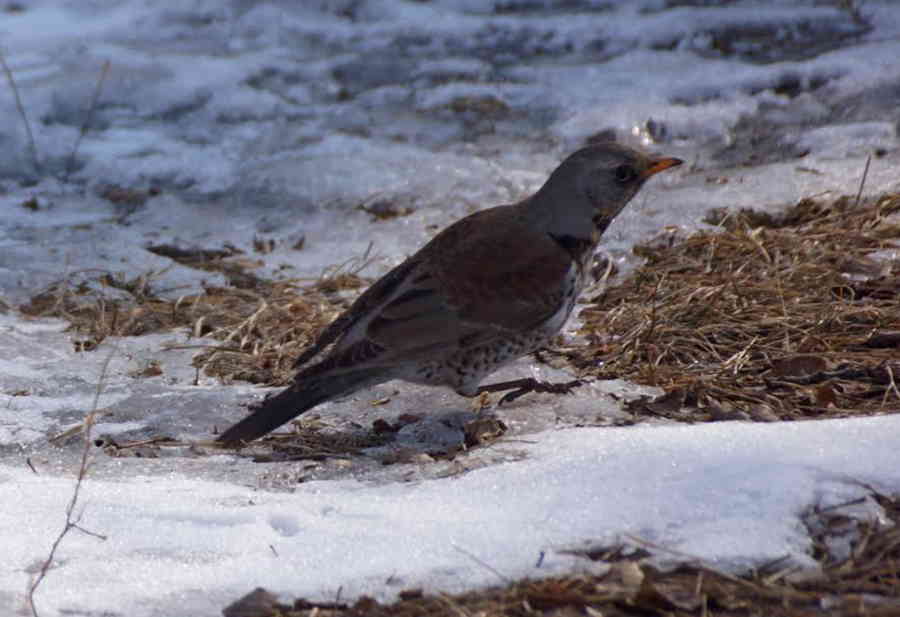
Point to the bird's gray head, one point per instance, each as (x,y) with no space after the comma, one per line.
(585,193)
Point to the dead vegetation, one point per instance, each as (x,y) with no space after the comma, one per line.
(863,580)
(772,317)
(253,328)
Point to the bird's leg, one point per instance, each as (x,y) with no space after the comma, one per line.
(520,387)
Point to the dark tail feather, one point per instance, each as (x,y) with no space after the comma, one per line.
(294,400)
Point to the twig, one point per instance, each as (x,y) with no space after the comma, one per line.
(87,120)
(77,429)
(699,562)
(453,606)
(862,181)
(892,386)
(21,109)
(353,265)
(484,565)
(73,520)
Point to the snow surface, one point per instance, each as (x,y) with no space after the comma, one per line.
(277,119)
(730,493)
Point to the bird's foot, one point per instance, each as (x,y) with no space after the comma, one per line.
(520,387)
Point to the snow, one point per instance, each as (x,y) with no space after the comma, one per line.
(728,493)
(280,119)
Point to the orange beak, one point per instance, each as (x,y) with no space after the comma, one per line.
(659,165)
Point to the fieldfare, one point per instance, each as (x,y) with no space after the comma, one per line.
(495,285)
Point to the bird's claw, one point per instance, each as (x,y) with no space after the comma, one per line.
(524,386)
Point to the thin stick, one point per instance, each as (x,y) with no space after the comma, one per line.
(481,563)
(73,520)
(453,606)
(21,109)
(892,386)
(862,182)
(87,120)
(699,562)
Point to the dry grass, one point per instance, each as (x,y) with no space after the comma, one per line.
(259,326)
(773,317)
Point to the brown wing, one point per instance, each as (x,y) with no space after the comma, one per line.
(486,275)
(378,293)
(506,275)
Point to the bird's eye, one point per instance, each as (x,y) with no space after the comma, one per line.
(624,173)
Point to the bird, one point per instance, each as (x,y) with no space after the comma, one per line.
(495,285)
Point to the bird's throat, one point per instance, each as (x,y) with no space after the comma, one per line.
(577,248)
